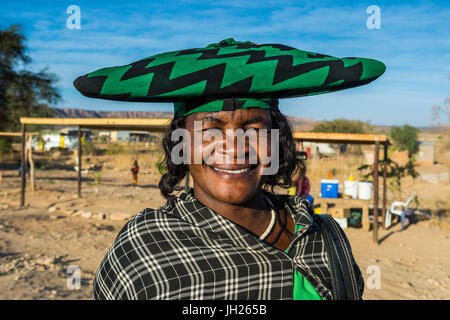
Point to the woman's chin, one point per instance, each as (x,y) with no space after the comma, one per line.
(228,187)
(236,193)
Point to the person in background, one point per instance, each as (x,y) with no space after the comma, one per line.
(303,188)
(134,172)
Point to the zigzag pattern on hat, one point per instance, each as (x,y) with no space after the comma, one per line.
(229,69)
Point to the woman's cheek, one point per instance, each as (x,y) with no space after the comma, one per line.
(264,149)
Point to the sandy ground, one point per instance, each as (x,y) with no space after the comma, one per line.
(56,233)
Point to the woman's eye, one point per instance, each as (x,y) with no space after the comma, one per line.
(257,129)
(211,130)
(210,133)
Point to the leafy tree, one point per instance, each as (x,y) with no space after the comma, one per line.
(23,93)
(343,126)
(405,138)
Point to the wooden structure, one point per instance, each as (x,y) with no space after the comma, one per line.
(103,123)
(156,125)
(349,138)
(349,204)
(11,134)
(367,139)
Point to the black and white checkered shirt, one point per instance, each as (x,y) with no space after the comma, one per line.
(185,250)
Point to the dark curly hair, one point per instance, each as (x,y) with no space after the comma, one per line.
(289,163)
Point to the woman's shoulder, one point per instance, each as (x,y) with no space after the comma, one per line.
(138,245)
(146,223)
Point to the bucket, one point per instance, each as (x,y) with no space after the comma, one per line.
(329,188)
(365,190)
(351,188)
(355,218)
(343,222)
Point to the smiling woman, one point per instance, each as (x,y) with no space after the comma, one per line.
(231,186)
(231,236)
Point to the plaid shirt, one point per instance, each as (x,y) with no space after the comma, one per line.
(185,250)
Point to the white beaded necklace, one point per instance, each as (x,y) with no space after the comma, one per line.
(272,220)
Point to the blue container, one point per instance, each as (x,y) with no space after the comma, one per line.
(329,188)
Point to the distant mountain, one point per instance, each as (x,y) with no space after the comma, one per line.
(79,113)
(302,124)
(299,123)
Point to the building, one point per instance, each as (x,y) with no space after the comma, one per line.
(425,155)
(133,136)
(66,138)
(314,149)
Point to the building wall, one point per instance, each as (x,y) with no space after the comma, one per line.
(426,153)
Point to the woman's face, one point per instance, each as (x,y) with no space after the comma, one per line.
(230,169)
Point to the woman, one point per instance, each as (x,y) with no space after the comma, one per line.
(231,236)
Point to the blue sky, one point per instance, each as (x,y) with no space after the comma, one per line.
(413,42)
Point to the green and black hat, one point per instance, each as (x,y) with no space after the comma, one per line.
(228,75)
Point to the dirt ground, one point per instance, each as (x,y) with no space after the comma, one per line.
(56,233)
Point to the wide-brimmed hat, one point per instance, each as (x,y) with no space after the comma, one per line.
(228,75)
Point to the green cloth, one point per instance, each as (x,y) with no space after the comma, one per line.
(182,109)
(303,290)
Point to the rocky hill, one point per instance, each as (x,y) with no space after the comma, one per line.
(298,123)
(79,113)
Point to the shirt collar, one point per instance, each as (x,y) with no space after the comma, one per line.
(186,207)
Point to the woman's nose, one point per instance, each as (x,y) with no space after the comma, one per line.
(239,144)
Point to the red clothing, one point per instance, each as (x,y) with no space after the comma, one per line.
(303,186)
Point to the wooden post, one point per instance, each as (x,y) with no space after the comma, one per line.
(79,161)
(324,207)
(30,159)
(375,192)
(365,218)
(26,154)
(383,214)
(23,168)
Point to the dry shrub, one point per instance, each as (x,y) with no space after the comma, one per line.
(146,154)
(340,167)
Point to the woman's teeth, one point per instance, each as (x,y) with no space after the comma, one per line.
(233,171)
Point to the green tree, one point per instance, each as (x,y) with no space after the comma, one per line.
(23,93)
(343,126)
(405,138)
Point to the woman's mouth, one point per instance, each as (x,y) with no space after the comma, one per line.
(233,171)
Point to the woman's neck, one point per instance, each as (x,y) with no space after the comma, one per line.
(253,214)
